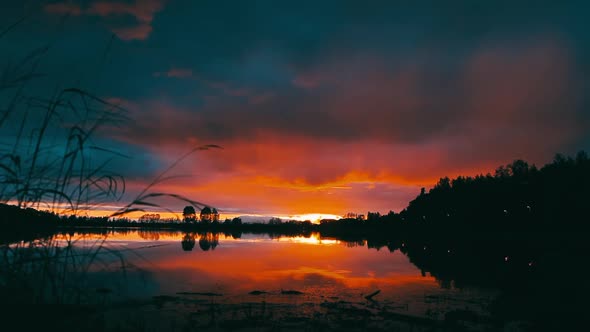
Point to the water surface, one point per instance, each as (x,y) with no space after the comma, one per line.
(180,274)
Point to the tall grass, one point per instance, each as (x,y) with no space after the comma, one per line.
(55,271)
(47,161)
(51,158)
(49,148)
(46,153)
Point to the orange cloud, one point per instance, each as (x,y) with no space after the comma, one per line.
(372,135)
(289,176)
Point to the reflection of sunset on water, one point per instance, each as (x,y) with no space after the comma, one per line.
(313,239)
(238,266)
(137,235)
(259,262)
(300,275)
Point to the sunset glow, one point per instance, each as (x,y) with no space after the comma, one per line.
(319,111)
(308,165)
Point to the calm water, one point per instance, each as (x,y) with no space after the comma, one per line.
(176,270)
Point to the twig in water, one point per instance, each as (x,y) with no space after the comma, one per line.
(370,296)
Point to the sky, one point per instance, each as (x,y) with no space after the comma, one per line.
(320,107)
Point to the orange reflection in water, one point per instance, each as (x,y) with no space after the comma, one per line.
(192,264)
(310,265)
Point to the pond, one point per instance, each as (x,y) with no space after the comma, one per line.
(167,280)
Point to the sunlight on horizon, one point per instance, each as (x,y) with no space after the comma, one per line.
(121,238)
(108,210)
(313,217)
(315,239)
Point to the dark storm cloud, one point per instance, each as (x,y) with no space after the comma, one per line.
(414,90)
(403,68)
(513,92)
(142,13)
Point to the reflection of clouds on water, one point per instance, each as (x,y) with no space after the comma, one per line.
(234,268)
(271,265)
(314,279)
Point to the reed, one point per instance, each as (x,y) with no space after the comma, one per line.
(48,159)
(54,270)
(45,159)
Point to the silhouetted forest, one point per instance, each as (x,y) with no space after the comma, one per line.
(522,231)
(517,196)
(22,224)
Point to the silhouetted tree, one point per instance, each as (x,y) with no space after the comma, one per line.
(502,172)
(373,216)
(189,214)
(519,168)
(214,215)
(275,221)
(350,215)
(206,215)
(150,218)
(443,184)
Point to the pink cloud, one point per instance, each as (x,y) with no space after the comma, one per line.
(138,32)
(227,88)
(122,102)
(63,8)
(143,11)
(493,108)
(259,99)
(175,73)
(306,81)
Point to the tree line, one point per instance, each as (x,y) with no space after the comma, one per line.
(208,215)
(516,197)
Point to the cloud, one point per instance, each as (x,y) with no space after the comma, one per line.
(306,81)
(63,8)
(370,125)
(143,13)
(142,10)
(493,92)
(175,73)
(379,100)
(138,32)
